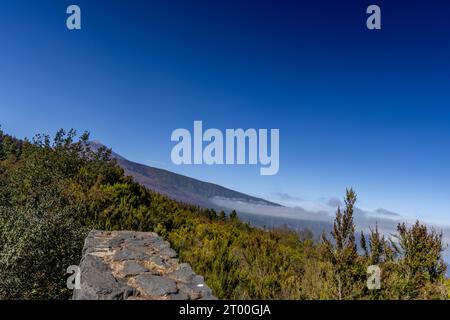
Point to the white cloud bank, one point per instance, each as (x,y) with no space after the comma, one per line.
(324,211)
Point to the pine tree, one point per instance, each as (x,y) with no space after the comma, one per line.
(233,215)
(377,251)
(420,260)
(342,252)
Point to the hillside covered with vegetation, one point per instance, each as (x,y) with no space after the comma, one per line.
(53,191)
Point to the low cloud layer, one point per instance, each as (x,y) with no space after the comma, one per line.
(324,211)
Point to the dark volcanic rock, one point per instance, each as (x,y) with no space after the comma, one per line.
(156,285)
(126,254)
(183,274)
(131,268)
(135,265)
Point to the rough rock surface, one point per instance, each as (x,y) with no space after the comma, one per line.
(135,265)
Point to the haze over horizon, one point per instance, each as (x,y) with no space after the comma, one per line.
(354,108)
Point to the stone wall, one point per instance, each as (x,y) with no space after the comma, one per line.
(135,265)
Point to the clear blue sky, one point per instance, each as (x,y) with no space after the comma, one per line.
(354,107)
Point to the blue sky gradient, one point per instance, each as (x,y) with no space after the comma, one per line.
(360,108)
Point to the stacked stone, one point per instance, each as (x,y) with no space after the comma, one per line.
(135,265)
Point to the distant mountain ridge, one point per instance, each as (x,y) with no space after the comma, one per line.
(180,187)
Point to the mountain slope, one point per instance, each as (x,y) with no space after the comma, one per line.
(183,188)
(179,187)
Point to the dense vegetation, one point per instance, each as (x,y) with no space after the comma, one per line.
(52,192)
